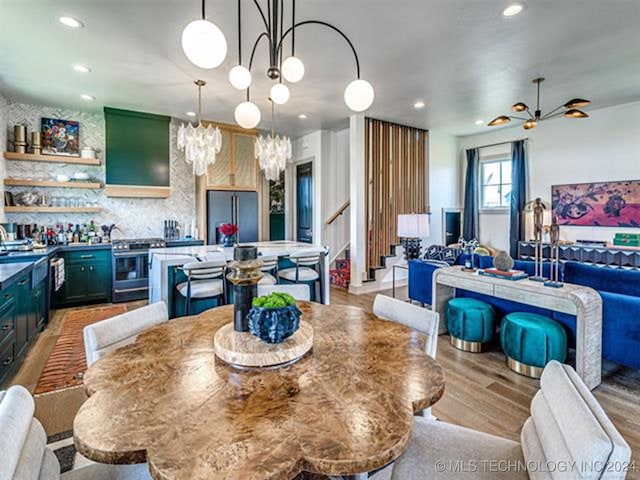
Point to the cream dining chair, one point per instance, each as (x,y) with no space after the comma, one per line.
(297,291)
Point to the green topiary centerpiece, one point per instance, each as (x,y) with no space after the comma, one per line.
(274,317)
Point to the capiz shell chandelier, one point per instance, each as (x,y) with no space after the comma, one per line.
(200,144)
(273,151)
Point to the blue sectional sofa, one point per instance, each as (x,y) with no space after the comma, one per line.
(619,289)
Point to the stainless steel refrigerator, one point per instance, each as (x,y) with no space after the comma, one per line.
(240,208)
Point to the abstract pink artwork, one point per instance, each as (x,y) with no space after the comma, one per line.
(601,204)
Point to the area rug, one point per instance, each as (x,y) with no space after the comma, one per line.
(67,361)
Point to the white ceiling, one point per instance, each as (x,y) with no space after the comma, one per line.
(461,57)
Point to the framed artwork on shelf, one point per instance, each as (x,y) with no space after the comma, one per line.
(60,137)
(597,204)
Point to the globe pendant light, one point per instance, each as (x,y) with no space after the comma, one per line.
(199,144)
(240,77)
(203,43)
(279,93)
(273,151)
(532,121)
(247,115)
(293,69)
(359,95)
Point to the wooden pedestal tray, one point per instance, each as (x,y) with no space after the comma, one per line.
(243,349)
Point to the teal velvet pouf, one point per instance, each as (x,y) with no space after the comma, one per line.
(471,323)
(530,341)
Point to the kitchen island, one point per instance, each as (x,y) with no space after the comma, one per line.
(163,263)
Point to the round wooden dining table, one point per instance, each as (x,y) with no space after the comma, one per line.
(344,408)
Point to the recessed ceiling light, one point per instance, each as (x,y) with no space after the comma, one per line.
(70,22)
(81,68)
(191,114)
(513,10)
(84,96)
(418,104)
(479,122)
(302,116)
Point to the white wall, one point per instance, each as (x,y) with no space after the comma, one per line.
(329,153)
(605,146)
(444,181)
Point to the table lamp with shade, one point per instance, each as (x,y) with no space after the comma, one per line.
(411,228)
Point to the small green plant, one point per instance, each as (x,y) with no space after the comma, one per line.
(274,300)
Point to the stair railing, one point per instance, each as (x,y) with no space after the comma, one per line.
(338,212)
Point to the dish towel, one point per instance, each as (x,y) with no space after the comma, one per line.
(58,273)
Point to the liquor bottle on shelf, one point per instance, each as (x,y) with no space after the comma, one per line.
(35,233)
(62,237)
(77,235)
(69,233)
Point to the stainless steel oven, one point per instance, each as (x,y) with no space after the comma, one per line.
(131,268)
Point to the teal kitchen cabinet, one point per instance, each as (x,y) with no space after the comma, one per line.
(87,278)
(7,331)
(137,154)
(24,314)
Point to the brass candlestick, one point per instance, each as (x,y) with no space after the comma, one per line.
(20,138)
(36,143)
(245,273)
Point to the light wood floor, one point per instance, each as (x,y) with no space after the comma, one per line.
(481,393)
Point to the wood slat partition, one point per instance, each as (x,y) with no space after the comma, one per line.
(396,170)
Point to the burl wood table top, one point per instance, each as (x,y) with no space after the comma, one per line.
(344,408)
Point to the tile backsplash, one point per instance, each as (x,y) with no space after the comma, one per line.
(134,217)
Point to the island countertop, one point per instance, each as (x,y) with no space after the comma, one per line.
(161,259)
(11,272)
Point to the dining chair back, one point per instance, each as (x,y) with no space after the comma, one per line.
(269,269)
(567,436)
(298,291)
(107,335)
(418,318)
(25,455)
(205,279)
(306,263)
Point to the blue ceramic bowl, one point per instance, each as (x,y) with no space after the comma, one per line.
(274,325)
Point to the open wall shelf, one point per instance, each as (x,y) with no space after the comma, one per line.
(18,182)
(31,157)
(37,209)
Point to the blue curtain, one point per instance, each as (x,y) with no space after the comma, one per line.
(518,195)
(471,221)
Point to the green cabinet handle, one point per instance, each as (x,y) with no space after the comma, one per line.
(7,296)
(6,327)
(86,256)
(23,282)
(7,361)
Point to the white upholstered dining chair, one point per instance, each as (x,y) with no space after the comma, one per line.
(205,279)
(297,291)
(567,436)
(269,267)
(107,335)
(24,452)
(418,318)
(306,263)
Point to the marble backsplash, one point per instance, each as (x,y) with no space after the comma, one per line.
(134,217)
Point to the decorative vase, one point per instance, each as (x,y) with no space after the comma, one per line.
(274,325)
(228,240)
(503,262)
(244,273)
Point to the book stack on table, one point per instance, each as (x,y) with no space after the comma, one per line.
(627,240)
(510,275)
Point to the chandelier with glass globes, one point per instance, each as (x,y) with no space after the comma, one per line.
(205,45)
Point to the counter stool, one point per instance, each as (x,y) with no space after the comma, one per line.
(305,271)
(530,341)
(269,267)
(204,280)
(471,324)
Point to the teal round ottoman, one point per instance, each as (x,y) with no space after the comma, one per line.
(471,324)
(530,341)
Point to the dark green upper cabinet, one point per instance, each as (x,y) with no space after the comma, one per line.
(137,148)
